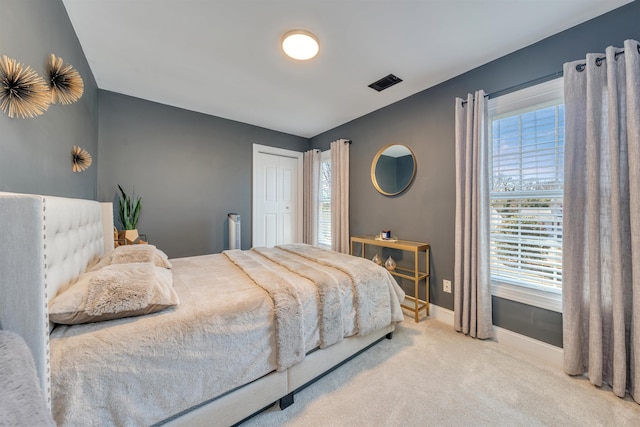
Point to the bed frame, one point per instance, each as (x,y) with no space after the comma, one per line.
(48,241)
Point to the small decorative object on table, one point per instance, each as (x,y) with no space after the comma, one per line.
(390,264)
(377,259)
(129,213)
(386,234)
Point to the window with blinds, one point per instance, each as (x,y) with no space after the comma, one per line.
(324,201)
(527,180)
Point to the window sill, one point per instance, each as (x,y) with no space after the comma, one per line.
(535,297)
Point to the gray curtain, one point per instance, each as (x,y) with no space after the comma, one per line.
(601,242)
(340,195)
(472,285)
(311,184)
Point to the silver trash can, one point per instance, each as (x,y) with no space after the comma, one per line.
(234,230)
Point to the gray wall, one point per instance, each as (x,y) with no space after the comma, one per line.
(35,154)
(190,170)
(425,122)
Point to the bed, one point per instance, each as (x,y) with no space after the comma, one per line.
(250,328)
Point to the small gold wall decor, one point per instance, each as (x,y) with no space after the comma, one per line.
(65,82)
(80,159)
(23,93)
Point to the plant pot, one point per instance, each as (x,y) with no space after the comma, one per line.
(129,236)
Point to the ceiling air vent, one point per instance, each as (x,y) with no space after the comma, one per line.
(385,82)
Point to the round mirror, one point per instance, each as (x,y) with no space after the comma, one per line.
(393,169)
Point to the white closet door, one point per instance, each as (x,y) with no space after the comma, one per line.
(276,198)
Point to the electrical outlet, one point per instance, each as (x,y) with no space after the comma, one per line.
(446,286)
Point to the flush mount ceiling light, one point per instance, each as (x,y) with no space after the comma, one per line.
(300,44)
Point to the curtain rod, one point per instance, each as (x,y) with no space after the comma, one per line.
(525,84)
(348,141)
(522,85)
(579,68)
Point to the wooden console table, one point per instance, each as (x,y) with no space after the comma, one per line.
(414,274)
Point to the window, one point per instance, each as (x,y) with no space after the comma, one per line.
(324,201)
(526,131)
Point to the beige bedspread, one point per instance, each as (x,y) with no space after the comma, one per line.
(141,370)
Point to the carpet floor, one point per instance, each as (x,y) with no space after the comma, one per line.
(429,375)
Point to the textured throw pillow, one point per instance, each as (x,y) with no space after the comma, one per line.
(134,253)
(113,292)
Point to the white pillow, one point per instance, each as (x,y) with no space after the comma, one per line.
(113,292)
(133,253)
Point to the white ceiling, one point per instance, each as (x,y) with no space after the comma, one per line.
(223,57)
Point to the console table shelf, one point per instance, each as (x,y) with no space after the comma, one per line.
(414,274)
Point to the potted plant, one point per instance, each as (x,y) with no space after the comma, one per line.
(129,213)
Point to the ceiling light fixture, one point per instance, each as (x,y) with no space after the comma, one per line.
(300,44)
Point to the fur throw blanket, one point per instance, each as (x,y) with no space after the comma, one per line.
(287,306)
(375,294)
(330,322)
(21,400)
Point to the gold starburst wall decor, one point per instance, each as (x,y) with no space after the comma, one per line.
(23,93)
(80,159)
(65,82)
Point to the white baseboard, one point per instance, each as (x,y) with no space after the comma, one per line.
(548,354)
(441,314)
(541,351)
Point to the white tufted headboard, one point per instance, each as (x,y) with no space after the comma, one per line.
(46,242)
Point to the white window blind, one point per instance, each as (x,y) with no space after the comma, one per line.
(527,155)
(324,201)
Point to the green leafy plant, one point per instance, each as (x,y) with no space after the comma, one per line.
(129,210)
